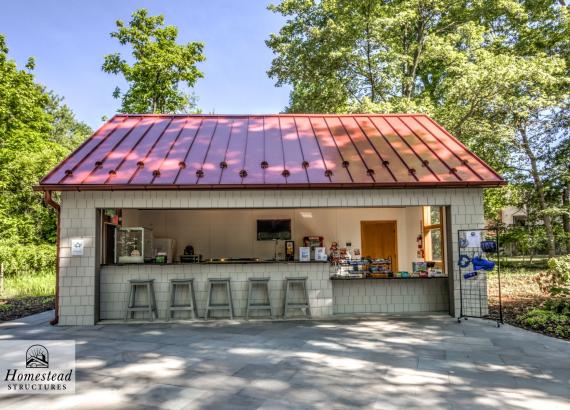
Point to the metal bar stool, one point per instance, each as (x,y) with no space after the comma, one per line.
(262,283)
(229,305)
(191,303)
(150,307)
(289,304)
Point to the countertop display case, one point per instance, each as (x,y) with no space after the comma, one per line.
(133,245)
(375,269)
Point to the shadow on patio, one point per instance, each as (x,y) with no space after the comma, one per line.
(379,362)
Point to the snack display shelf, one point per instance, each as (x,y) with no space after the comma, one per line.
(396,278)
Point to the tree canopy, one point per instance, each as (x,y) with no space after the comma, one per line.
(159,69)
(494,73)
(36,132)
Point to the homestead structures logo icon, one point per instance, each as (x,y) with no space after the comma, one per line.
(37,367)
(37,356)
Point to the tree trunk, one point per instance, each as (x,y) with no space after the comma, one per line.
(539,186)
(566,217)
(370,73)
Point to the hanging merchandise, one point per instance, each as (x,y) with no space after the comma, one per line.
(464,261)
(470,275)
(481,263)
(479,291)
(473,239)
(489,246)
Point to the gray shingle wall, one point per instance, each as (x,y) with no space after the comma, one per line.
(78,220)
(391,296)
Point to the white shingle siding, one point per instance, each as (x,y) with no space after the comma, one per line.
(78,220)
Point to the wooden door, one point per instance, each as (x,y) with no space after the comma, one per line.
(379,240)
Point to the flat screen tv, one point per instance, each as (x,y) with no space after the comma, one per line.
(270,229)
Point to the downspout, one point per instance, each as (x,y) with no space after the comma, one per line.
(49,200)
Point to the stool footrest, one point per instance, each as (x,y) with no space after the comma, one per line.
(138,309)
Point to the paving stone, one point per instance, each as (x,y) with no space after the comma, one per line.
(373,362)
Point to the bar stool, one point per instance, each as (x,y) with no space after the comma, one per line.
(291,283)
(150,307)
(191,303)
(229,305)
(262,283)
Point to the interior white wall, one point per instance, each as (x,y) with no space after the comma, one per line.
(232,233)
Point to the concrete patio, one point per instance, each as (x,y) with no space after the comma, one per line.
(379,362)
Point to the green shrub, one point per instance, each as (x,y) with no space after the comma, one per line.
(547,321)
(27,260)
(556,280)
(561,306)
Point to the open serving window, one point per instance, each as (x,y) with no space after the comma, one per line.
(367,242)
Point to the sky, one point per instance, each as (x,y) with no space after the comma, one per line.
(69,39)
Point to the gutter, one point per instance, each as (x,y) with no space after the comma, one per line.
(49,201)
(245,187)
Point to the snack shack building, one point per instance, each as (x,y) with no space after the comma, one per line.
(166,217)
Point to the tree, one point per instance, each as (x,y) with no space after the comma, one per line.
(559,178)
(36,132)
(160,66)
(491,72)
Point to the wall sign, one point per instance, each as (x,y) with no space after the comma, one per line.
(77,247)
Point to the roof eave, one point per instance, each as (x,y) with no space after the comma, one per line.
(202,187)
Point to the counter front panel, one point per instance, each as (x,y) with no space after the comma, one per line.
(115,285)
(326,296)
(390,296)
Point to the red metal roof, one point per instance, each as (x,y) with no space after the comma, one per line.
(261,151)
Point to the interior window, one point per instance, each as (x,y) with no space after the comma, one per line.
(433,234)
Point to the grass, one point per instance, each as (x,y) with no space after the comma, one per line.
(40,284)
(27,294)
(524,262)
(516,283)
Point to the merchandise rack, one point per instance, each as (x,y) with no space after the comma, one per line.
(473,291)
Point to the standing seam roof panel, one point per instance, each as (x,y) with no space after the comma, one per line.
(350,155)
(156,157)
(273,152)
(174,160)
(59,172)
(430,159)
(117,156)
(315,166)
(235,152)
(292,151)
(98,155)
(394,163)
(414,165)
(165,151)
(197,155)
(472,162)
(254,153)
(332,158)
(128,169)
(367,152)
(442,150)
(216,153)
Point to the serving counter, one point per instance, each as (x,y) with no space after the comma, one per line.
(327,295)
(114,281)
